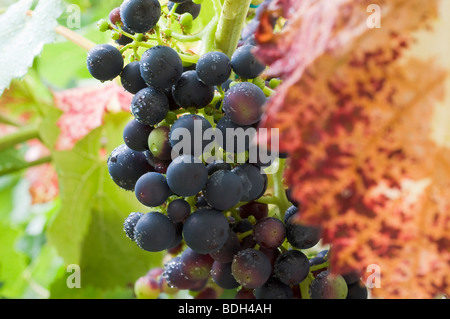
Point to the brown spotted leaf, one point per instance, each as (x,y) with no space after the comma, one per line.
(360,115)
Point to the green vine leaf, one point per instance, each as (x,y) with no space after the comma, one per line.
(93,209)
(24,35)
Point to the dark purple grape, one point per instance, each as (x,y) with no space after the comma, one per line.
(213,68)
(205,230)
(186,6)
(104,62)
(291,267)
(245,64)
(125,166)
(254,182)
(149,106)
(186,176)
(123,39)
(194,265)
(189,91)
(302,236)
(216,166)
(154,232)
(131,78)
(234,138)
(161,66)
(243,103)
(226,253)
(251,268)
(130,223)
(269,232)
(258,210)
(178,210)
(222,275)
(223,189)
(174,276)
(274,289)
(140,15)
(151,189)
(187,135)
(244,293)
(135,135)
(357,290)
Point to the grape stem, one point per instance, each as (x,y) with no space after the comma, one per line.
(231,22)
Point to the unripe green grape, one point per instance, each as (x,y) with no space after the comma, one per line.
(115,35)
(171,117)
(186,20)
(259,82)
(103,25)
(274,83)
(197,1)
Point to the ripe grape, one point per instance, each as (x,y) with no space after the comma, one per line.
(186,176)
(131,78)
(302,236)
(291,267)
(151,189)
(226,253)
(273,289)
(269,232)
(245,64)
(186,6)
(125,166)
(154,232)
(178,210)
(205,230)
(140,15)
(175,277)
(243,103)
(235,138)
(130,223)
(213,68)
(104,62)
(123,39)
(149,106)
(251,268)
(254,182)
(223,189)
(189,91)
(222,275)
(194,265)
(135,135)
(187,135)
(161,66)
(258,210)
(216,166)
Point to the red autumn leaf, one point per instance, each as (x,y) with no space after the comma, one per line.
(356,114)
(84,109)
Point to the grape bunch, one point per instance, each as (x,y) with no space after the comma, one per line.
(189,155)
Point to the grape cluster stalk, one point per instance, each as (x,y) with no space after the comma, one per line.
(189,155)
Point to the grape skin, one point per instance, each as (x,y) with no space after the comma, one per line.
(104,62)
(205,230)
(186,176)
(161,66)
(243,103)
(149,106)
(140,15)
(154,232)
